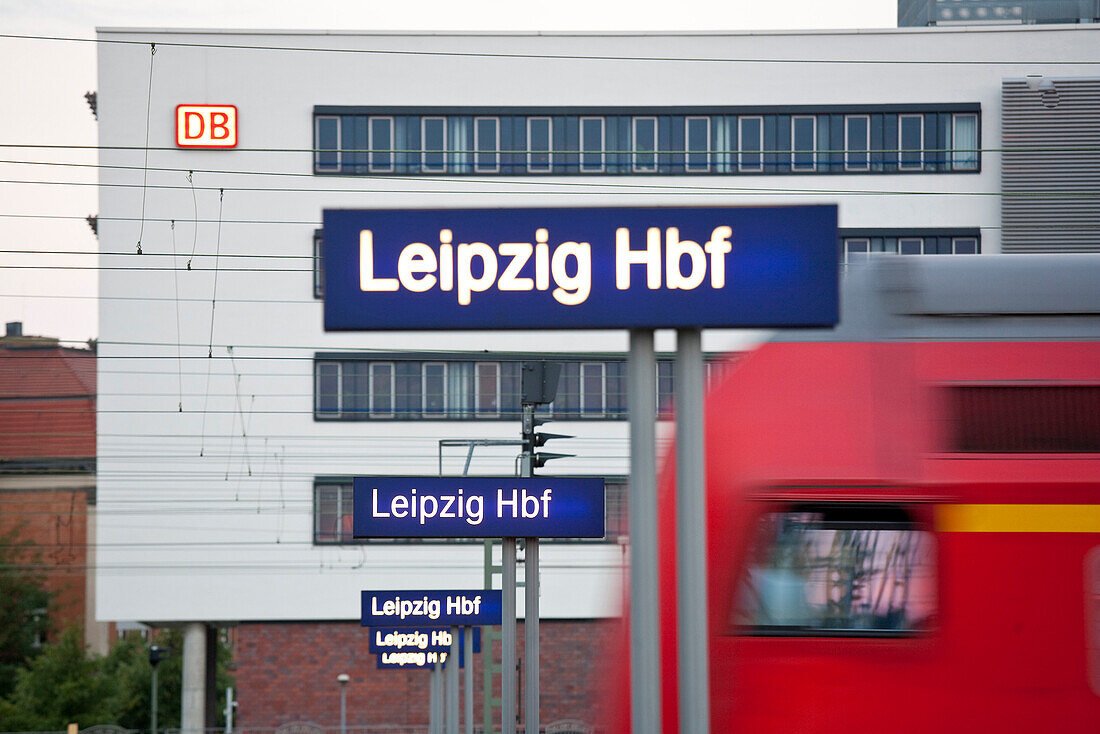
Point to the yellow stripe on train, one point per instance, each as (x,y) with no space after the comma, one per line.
(1018,518)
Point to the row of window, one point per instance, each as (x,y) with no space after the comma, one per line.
(810,142)
(333,508)
(859,248)
(852,249)
(455,389)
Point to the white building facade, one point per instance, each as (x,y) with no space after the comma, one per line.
(230,422)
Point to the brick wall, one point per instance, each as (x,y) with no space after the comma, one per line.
(287,672)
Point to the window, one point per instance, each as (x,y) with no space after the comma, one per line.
(318,264)
(435,389)
(381,389)
(374,140)
(381,144)
(964,142)
(645,144)
(433,141)
(856,248)
(838,570)
(1019,419)
(488,389)
(665,388)
(857,129)
(327,153)
(752,139)
(964,245)
(593,388)
(697,133)
(539,144)
(332,513)
(357,389)
(327,388)
(592,143)
(911,142)
(487,144)
(803,142)
(911,246)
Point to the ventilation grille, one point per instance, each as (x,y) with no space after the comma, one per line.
(1050,166)
(1026,419)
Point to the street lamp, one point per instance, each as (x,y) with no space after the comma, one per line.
(156,654)
(343,679)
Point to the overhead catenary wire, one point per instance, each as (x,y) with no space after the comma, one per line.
(541,56)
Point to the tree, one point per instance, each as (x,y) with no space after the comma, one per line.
(61,685)
(24,617)
(64,684)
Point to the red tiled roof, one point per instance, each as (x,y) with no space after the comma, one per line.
(47,402)
(48,372)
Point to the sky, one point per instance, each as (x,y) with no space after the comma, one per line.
(47,280)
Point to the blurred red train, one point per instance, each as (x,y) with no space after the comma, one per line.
(904,513)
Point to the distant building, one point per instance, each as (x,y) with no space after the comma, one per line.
(976,12)
(229,436)
(47,467)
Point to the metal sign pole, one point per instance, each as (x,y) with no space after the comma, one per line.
(433,700)
(508,637)
(452,684)
(645,652)
(691,535)
(531,636)
(468,689)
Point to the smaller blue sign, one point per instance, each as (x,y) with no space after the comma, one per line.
(415,608)
(478,507)
(417,639)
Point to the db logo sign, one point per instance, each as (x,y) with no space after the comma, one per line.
(206,126)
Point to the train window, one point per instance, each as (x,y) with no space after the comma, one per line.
(838,570)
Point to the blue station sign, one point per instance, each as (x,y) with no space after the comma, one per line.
(478,507)
(416,608)
(416,659)
(577,268)
(417,639)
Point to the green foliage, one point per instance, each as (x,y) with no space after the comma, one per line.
(66,685)
(24,617)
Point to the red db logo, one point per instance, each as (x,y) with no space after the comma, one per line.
(206,126)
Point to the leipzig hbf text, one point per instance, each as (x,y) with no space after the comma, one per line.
(425,607)
(424,507)
(451,266)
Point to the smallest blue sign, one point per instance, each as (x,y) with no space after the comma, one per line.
(415,608)
(478,507)
(415,659)
(417,639)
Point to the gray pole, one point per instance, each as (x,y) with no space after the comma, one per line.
(229,711)
(693,631)
(468,689)
(452,683)
(508,637)
(153,697)
(343,680)
(193,695)
(434,724)
(645,652)
(531,637)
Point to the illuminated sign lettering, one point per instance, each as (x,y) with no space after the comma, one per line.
(206,126)
(478,507)
(416,639)
(580,268)
(412,608)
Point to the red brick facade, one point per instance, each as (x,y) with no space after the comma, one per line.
(287,672)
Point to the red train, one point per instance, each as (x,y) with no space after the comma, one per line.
(904,513)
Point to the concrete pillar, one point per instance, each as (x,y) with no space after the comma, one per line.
(193,700)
